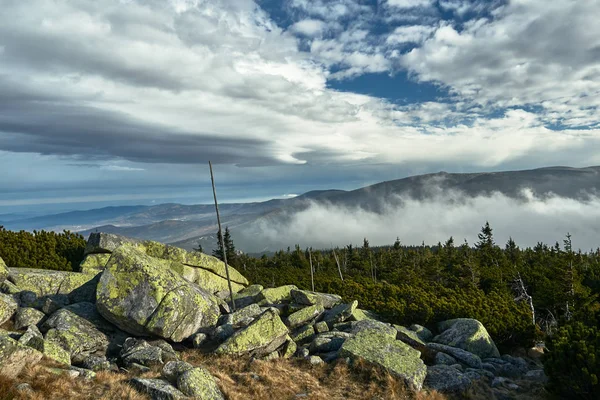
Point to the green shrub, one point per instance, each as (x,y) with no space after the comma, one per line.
(41,249)
(573,361)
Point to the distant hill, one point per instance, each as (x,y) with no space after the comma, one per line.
(188,225)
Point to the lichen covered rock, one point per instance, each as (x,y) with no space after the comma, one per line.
(94,263)
(304,315)
(446,379)
(200,384)
(25,317)
(276,295)
(142,296)
(157,389)
(15,356)
(78,336)
(8,306)
(394,356)
(46,282)
(467,334)
(312,298)
(108,243)
(261,337)
(3,270)
(340,313)
(50,350)
(468,358)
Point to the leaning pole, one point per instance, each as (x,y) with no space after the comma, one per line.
(222,241)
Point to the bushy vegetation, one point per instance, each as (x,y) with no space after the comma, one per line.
(573,362)
(41,249)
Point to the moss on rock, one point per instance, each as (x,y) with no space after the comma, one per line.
(276,295)
(259,335)
(8,306)
(467,334)
(142,295)
(200,384)
(3,270)
(94,263)
(394,356)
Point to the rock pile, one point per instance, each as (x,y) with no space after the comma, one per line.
(134,300)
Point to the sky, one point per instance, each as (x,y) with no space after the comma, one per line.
(126,101)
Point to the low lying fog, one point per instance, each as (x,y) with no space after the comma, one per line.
(528,220)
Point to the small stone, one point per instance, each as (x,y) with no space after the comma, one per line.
(315,360)
(199,339)
(321,327)
(303,352)
(24,388)
(158,389)
(27,316)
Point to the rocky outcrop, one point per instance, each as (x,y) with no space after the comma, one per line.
(134,299)
(143,296)
(206,271)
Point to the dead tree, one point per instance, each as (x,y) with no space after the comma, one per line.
(337,261)
(312,279)
(522,295)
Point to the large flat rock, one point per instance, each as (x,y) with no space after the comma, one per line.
(143,296)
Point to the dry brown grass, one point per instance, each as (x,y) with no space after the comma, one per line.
(240,378)
(47,384)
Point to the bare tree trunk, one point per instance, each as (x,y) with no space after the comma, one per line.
(338,265)
(312,279)
(522,295)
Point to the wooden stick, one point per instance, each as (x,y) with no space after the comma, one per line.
(338,265)
(212,178)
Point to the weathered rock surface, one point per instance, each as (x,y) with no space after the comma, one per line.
(79,287)
(200,384)
(467,334)
(94,263)
(246,296)
(192,265)
(446,379)
(313,298)
(173,369)
(3,270)
(424,334)
(276,295)
(394,356)
(409,337)
(261,337)
(157,389)
(143,296)
(15,356)
(25,317)
(78,336)
(340,313)
(304,315)
(461,355)
(8,307)
(50,350)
